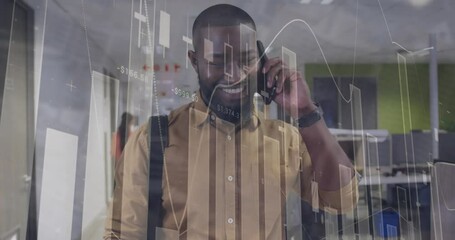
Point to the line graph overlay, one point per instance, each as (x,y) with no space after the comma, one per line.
(347,98)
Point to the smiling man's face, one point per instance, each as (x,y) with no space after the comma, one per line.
(227,73)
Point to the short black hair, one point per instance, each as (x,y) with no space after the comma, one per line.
(221,15)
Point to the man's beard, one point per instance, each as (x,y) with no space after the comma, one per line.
(239,111)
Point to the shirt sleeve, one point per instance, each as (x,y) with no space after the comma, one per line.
(335,202)
(127,213)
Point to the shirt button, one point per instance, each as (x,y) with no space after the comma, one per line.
(230,220)
(230,178)
(229,137)
(212,116)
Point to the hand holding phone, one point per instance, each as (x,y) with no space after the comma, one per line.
(268,94)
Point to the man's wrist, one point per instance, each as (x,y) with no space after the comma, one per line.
(307,110)
(309,116)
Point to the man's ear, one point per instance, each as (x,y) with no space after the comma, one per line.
(193,59)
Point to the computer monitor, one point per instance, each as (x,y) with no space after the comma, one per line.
(412,148)
(379,153)
(447,146)
(423,147)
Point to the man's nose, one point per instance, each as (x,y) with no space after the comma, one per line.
(239,72)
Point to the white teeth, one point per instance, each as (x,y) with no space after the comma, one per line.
(233,90)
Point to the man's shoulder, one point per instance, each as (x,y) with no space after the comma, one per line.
(179,113)
(173,116)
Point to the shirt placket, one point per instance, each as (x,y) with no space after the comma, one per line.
(230,184)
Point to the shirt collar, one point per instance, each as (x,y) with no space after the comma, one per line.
(203,116)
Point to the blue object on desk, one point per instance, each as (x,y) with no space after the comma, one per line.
(412,193)
(387,224)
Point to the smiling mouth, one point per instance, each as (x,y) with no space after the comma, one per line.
(233,89)
(236,90)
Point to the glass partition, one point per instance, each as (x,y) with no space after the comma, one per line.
(80,157)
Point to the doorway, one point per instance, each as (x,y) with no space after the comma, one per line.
(16,117)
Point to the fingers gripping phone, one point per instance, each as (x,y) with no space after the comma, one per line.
(268,94)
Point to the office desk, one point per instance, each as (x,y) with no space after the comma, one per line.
(397,179)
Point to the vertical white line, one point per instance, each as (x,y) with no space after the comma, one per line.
(355,45)
(434,96)
(151,42)
(385,20)
(187,34)
(412,149)
(86,37)
(128,100)
(357,127)
(436,203)
(58,182)
(406,219)
(399,56)
(347,222)
(139,27)
(39,67)
(391,230)
(9,48)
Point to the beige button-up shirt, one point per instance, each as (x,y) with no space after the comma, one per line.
(221,181)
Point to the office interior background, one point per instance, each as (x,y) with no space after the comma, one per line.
(383,72)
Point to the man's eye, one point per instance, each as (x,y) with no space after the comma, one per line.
(251,61)
(217,64)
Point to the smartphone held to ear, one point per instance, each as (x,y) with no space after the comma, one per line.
(268,94)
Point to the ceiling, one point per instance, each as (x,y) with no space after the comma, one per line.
(345,31)
(103,34)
